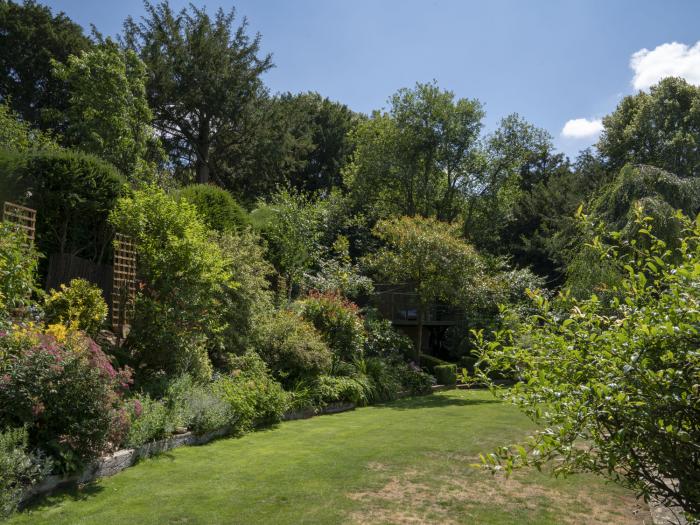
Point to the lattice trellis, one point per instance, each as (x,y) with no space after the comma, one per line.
(22,217)
(124,281)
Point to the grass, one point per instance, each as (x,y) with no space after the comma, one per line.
(403,462)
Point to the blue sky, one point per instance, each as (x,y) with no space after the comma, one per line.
(551,61)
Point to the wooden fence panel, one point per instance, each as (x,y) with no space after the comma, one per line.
(21,216)
(124,281)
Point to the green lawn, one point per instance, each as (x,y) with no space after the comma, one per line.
(404,462)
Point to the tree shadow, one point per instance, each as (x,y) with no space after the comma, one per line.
(434,401)
(69,491)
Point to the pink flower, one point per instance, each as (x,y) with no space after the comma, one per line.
(138,408)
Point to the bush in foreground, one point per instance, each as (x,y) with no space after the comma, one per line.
(621,378)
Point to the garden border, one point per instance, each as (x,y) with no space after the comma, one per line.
(122,459)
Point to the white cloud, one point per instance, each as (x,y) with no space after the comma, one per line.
(582,128)
(666,60)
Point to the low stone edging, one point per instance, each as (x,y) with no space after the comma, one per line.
(122,459)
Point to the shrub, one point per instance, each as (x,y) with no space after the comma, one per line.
(414,380)
(429,362)
(150,421)
(80,303)
(383,340)
(197,406)
(64,389)
(446,374)
(252,394)
(19,468)
(216,206)
(339,322)
(247,302)
(291,347)
(333,389)
(75,193)
(18,264)
(384,380)
(179,305)
(621,377)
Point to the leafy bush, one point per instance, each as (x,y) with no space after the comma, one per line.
(64,389)
(197,406)
(333,389)
(150,421)
(80,303)
(19,469)
(252,394)
(291,347)
(384,380)
(246,303)
(430,362)
(414,380)
(18,264)
(621,377)
(179,305)
(446,374)
(383,340)
(339,322)
(217,207)
(17,135)
(75,193)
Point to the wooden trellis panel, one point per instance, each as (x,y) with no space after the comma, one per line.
(124,281)
(22,217)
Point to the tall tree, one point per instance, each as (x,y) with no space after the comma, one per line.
(432,257)
(417,158)
(205,79)
(509,159)
(30,37)
(660,128)
(108,114)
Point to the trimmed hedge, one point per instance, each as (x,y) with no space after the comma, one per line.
(216,206)
(430,362)
(446,374)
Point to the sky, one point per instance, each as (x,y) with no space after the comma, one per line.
(561,64)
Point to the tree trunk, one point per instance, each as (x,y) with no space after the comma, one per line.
(419,344)
(202,171)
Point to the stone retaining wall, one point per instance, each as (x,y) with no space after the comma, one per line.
(122,459)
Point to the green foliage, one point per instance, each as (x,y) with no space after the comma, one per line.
(243,305)
(620,378)
(382,339)
(184,272)
(75,193)
(18,265)
(203,66)
(291,223)
(337,320)
(80,304)
(19,468)
(107,113)
(416,158)
(661,128)
(216,206)
(18,135)
(431,256)
(197,406)
(66,392)
(414,380)
(334,389)
(253,396)
(446,374)
(291,346)
(431,362)
(150,421)
(30,37)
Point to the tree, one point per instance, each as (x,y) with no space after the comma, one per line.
(660,128)
(417,158)
(18,135)
(614,383)
(31,36)
(107,113)
(514,156)
(430,256)
(291,223)
(204,81)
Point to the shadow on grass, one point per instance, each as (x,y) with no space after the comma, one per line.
(434,401)
(71,491)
